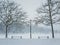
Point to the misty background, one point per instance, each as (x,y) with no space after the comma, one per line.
(30,6)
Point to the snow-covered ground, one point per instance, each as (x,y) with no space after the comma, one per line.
(29,42)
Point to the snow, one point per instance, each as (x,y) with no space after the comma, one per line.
(27,36)
(37,38)
(29,42)
(38,32)
(2,36)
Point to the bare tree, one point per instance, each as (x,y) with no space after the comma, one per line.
(49,14)
(11,12)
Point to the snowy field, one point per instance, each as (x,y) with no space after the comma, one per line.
(30,42)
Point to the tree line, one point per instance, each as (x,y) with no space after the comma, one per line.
(11,12)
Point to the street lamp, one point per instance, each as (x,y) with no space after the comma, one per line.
(30,29)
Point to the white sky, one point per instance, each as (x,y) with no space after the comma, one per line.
(30,6)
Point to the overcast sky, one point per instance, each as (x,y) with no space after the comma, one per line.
(30,6)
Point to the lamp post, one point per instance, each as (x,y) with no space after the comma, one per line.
(30,30)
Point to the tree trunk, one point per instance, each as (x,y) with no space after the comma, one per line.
(49,3)
(6,31)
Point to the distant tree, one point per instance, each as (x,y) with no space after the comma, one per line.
(11,12)
(49,14)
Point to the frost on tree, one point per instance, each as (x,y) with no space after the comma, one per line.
(10,12)
(49,14)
